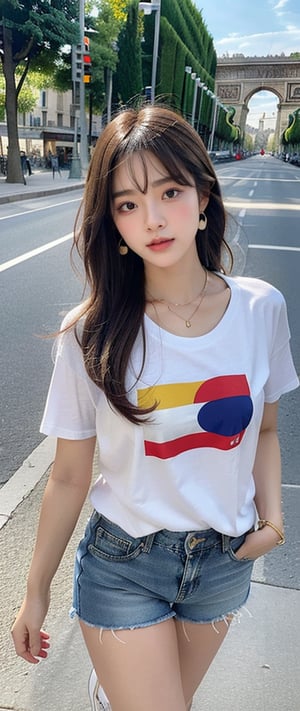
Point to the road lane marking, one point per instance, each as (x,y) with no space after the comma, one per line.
(24,480)
(250,205)
(274,247)
(290,486)
(34,252)
(39,209)
(260,180)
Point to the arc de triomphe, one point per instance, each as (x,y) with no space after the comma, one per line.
(239,78)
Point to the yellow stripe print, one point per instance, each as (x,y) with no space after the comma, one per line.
(169,395)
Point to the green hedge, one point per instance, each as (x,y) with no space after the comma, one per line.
(184,41)
(291,135)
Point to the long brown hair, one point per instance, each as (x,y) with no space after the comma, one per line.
(113,313)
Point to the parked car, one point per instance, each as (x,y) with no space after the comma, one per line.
(294,158)
(220,156)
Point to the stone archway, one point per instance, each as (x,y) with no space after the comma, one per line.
(239,78)
(245,110)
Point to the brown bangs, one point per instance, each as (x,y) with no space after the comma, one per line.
(173,167)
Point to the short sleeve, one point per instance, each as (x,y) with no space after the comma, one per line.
(283,376)
(70,411)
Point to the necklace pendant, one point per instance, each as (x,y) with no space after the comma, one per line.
(188,324)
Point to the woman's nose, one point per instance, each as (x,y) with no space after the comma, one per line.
(154,217)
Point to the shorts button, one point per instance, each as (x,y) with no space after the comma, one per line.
(194,541)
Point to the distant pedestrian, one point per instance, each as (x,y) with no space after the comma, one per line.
(23,165)
(28,165)
(175,368)
(55,166)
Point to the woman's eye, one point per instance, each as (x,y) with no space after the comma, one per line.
(126,207)
(171,193)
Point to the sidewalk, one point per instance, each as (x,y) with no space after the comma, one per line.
(39,184)
(257,667)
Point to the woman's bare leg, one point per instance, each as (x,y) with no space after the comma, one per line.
(154,668)
(198,644)
(138,669)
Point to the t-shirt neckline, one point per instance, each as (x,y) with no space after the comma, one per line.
(216,333)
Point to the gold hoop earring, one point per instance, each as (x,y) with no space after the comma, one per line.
(123,249)
(202,221)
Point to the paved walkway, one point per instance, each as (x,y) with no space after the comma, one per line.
(39,184)
(257,666)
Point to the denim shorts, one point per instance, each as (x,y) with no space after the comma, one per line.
(121,582)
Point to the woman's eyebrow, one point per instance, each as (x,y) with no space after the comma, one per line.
(154,184)
(120,193)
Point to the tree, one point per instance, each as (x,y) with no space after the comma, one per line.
(103,21)
(32,35)
(104,33)
(129,80)
(248,142)
(29,94)
(103,53)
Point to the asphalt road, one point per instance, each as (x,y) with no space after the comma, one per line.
(34,295)
(262,195)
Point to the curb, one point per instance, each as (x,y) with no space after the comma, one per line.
(39,193)
(22,483)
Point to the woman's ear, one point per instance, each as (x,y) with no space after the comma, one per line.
(203,202)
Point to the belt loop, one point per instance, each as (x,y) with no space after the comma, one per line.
(95,517)
(148,542)
(225,542)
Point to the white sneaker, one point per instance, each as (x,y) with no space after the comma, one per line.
(99,700)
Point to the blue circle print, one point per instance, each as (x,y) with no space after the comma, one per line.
(228,416)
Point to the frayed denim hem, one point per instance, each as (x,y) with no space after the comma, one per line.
(74,614)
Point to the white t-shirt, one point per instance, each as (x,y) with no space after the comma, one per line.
(190,468)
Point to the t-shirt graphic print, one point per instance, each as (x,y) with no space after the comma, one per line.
(212,413)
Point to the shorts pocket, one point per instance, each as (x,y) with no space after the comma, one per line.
(234,546)
(110,542)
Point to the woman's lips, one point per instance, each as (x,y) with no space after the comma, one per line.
(159,245)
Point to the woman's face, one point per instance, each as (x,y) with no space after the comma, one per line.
(159,223)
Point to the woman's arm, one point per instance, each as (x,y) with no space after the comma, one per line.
(63,499)
(267,469)
(267,477)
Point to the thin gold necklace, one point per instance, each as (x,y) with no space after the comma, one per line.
(177,304)
(189,319)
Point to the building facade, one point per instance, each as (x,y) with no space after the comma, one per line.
(50,128)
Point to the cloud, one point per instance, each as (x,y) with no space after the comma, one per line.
(280,5)
(262,43)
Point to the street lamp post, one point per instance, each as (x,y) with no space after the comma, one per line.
(197,84)
(213,128)
(187,70)
(148,8)
(203,88)
(115,47)
(193,76)
(83,131)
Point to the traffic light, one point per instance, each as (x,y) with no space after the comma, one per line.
(76,62)
(87,64)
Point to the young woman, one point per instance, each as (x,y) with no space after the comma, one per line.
(176,369)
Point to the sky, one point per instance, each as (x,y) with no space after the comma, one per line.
(255,27)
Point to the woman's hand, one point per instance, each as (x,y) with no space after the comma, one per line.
(31,642)
(258,543)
